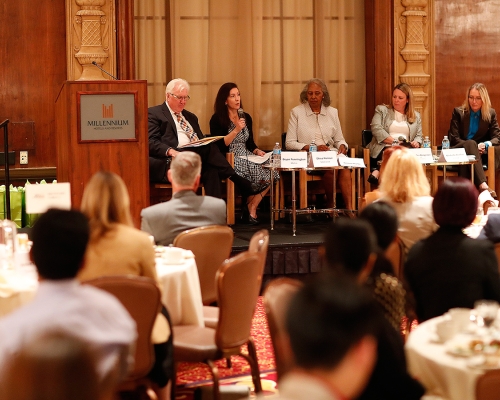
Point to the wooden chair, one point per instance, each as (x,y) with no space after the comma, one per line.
(488,386)
(157,188)
(258,244)
(277,296)
(211,245)
(142,299)
(366,138)
(238,283)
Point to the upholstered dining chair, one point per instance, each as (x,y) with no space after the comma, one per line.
(277,296)
(259,244)
(238,284)
(142,299)
(488,386)
(211,245)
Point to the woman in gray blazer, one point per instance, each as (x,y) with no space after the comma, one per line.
(398,121)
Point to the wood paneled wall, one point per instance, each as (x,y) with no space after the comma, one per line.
(379,54)
(33,68)
(466,45)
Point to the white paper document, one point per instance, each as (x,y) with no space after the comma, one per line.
(257,159)
(424,155)
(453,155)
(293,159)
(39,198)
(324,158)
(351,162)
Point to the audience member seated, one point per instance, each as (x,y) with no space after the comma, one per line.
(170,127)
(387,289)
(59,241)
(349,248)
(117,248)
(449,269)
(332,324)
(491,230)
(398,122)
(315,121)
(54,366)
(186,209)
(374,195)
(474,127)
(230,121)
(406,188)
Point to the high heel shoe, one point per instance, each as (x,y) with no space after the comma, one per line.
(252,220)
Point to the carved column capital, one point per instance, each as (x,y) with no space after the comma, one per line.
(412,57)
(90,36)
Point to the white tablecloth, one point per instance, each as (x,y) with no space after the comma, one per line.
(17,287)
(181,292)
(439,372)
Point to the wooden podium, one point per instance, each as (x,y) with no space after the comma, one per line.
(102,125)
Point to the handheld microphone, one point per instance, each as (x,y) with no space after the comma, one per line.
(103,70)
(241,113)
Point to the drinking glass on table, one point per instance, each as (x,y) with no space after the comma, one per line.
(486,312)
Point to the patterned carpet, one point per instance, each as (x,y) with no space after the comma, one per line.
(192,375)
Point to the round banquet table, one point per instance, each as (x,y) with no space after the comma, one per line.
(17,287)
(441,373)
(181,292)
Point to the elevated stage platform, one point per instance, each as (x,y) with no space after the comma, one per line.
(291,256)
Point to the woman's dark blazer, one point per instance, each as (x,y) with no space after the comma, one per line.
(449,269)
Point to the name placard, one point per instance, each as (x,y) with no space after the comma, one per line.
(351,162)
(424,155)
(293,159)
(453,155)
(324,158)
(39,198)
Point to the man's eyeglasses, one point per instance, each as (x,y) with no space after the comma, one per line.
(180,98)
(472,98)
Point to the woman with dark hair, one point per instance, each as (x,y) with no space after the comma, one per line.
(229,120)
(474,127)
(398,121)
(316,121)
(350,248)
(449,269)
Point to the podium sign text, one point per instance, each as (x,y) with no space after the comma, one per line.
(106,116)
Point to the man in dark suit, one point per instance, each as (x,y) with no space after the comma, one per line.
(171,126)
(186,209)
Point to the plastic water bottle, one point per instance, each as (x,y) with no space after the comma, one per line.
(427,142)
(446,143)
(276,158)
(312,148)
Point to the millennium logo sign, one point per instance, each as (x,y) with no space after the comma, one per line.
(107,116)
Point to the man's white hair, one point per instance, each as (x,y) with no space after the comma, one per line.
(177,83)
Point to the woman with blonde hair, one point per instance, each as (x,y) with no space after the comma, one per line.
(117,248)
(474,127)
(406,188)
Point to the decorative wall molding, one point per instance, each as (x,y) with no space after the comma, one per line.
(90,36)
(414,55)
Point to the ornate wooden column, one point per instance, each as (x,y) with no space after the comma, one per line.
(90,36)
(414,56)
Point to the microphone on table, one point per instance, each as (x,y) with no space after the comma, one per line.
(241,113)
(103,70)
